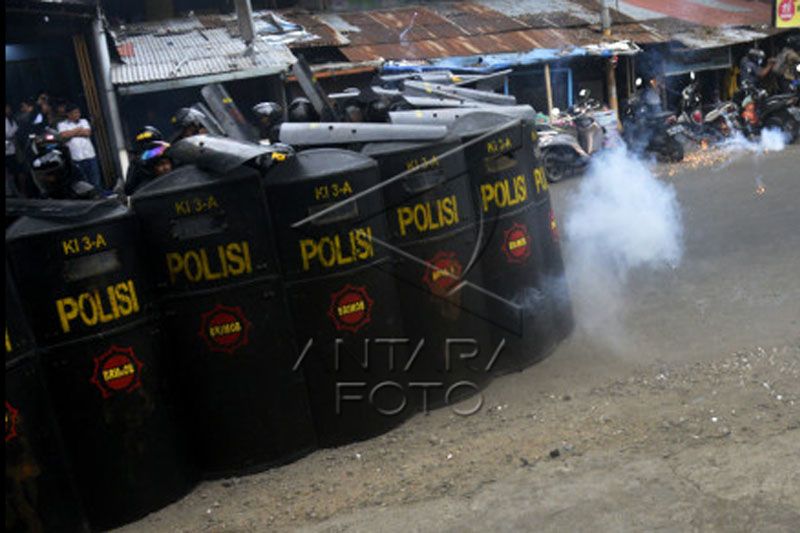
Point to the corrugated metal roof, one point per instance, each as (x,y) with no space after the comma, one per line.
(493,62)
(525,8)
(705,37)
(475,19)
(501,26)
(187,48)
(703,12)
(327,35)
(514,41)
(399,26)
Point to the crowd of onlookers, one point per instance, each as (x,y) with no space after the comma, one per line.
(38,116)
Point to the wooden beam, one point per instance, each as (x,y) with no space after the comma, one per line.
(548,87)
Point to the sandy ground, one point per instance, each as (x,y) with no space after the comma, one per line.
(691,424)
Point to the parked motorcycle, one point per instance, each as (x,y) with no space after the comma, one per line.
(761,111)
(567,146)
(561,154)
(719,123)
(690,113)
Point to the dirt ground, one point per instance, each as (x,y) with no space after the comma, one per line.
(691,424)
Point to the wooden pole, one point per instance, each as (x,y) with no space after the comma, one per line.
(611,81)
(94,110)
(549,88)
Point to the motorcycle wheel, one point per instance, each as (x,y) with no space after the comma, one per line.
(672,151)
(554,169)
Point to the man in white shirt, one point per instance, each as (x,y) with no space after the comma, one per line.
(77,133)
(12,165)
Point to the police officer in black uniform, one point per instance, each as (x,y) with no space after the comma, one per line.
(189,121)
(57,177)
(751,71)
(152,159)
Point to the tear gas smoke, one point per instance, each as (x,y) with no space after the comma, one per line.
(771,140)
(622,218)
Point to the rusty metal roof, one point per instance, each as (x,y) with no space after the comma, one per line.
(499,26)
(514,41)
(326,34)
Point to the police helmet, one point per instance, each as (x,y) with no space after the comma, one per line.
(48,170)
(147,136)
(188,116)
(301,110)
(269,111)
(756,55)
(378,111)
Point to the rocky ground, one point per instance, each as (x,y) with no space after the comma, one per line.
(691,424)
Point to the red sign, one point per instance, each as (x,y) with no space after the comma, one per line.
(224,329)
(11,421)
(444,273)
(517,243)
(351,308)
(786,10)
(117,371)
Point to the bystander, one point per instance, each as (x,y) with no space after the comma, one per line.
(77,134)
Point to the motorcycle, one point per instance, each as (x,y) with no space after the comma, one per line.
(761,111)
(561,154)
(567,146)
(647,130)
(690,113)
(715,125)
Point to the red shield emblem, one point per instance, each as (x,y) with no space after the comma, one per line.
(351,308)
(117,371)
(12,415)
(517,243)
(444,273)
(224,329)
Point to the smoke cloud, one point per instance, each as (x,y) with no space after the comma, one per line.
(770,140)
(621,219)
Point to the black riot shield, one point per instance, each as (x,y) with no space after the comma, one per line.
(220,154)
(40,495)
(345,309)
(433,229)
(510,189)
(88,298)
(212,250)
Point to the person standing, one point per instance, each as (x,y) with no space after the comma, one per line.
(77,133)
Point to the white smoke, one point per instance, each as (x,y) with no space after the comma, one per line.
(620,219)
(771,140)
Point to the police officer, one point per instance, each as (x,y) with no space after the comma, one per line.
(751,71)
(270,116)
(301,110)
(153,162)
(189,121)
(58,178)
